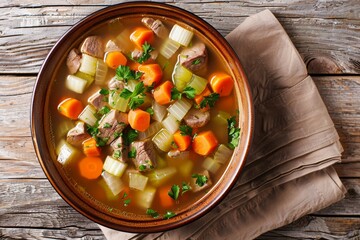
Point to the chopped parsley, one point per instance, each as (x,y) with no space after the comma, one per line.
(127,202)
(142,167)
(107,125)
(174,192)
(169,215)
(233,133)
(185,187)
(124,73)
(209,100)
(129,136)
(100,142)
(175,94)
(104,91)
(188,91)
(196,61)
(93,130)
(150,110)
(136,97)
(132,153)
(201,180)
(185,130)
(117,134)
(104,110)
(117,154)
(152,213)
(147,49)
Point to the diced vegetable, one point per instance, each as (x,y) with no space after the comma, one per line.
(181,76)
(186,168)
(198,83)
(211,165)
(101,71)
(115,184)
(221,83)
(63,128)
(142,35)
(182,141)
(204,143)
(223,154)
(180,108)
(152,74)
(163,140)
(86,77)
(219,125)
(198,99)
(117,102)
(146,197)
(151,131)
(70,108)
(114,167)
(131,84)
(123,41)
(181,35)
(160,176)
(162,94)
(139,119)
(159,111)
(90,167)
(168,48)
(88,64)
(115,59)
(66,153)
(75,84)
(171,123)
(88,115)
(137,181)
(90,148)
(165,200)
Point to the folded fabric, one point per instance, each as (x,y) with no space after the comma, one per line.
(288,172)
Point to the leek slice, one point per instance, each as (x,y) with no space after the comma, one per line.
(88,64)
(198,83)
(160,176)
(181,35)
(152,129)
(146,197)
(66,153)
(75,84)
(223,154)
(137,181)
(181,76)
(117,102)
(88,115)
(163,140)
(115,184)
(211,165)
(171,124)
(179,109)
(168,48)
(159,111)
(101,71)
(114,167)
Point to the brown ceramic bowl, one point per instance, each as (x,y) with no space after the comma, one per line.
(40,120)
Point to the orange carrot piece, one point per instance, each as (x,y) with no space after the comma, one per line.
(115,59)
(221,83)
(165,200)
(139,119)
(134,65)
(90,167)
(70,108)
(90,148)
(182,141)
(152,74)
(141,35)
(200,97)
(162,94)
(204,143)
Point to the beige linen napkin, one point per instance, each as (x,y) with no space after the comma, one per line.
(288,173)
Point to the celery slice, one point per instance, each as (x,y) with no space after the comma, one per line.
(181,76)
(151,131)
(117,102)
(223,154)
(180,108)
(85,76)
(101,71)
(115,184)
(114,167)
(137,181)
(171,123)
(160,176)
(163,140)
(211,165)
(75,84)
(186,168)
(146,197)
(198,83)
(88,115)
(159,111)
(169,47)
(181,35)
(88,64)
(66,153)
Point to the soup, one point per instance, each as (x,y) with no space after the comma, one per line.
(144,116)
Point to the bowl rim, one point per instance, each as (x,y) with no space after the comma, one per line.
(38,131)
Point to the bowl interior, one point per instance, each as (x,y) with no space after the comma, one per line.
(41,119)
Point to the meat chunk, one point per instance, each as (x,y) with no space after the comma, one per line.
(145,158)
(195,57)
(77,135)
(196,118)
(97,100)
(136,54)
(73,60)
(111,125)
(195,187)
(156,26)
(115,84)
(93,45)
(111,47)
(120,150)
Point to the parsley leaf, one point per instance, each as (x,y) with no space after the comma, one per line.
(174,192)
(142,167)
(100,142)
(233,132)
(185,130)
(107,125)
(129,136)
(132,153)
(196,61)
(150,110)
(104,110)
(175,94)
(169,215)
(136,97)
(125,93)
(117,154)
(93,130)
(104,91)
(152,213)
(190,92)
(185,187)
(209,100)
(127,202)
(124,73)
(201,180)
(147,49)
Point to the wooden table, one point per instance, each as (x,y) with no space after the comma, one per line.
(326,33)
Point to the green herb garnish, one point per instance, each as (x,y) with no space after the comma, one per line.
(233,133)
(129,136)
(124,73)
(152,213)
(104,110)
(147,49)
(201,180)
(185,130)
(132,153)
(127,202)
(104,91)
(150,110)
(142,167)
(196,61)
(174,192)
(107,125)
(185,187)
(117,154)
(169,215)
(209,100)
(136,97)
(188,91)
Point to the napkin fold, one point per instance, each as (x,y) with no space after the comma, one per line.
(288,172)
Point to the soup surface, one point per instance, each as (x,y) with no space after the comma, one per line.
(143,116)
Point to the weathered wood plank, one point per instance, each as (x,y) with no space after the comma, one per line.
(28,32)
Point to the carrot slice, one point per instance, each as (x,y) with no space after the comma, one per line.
(90,167)
(115,59)
(134,65)
(141,35)
(90,148)
(221,83)
(70,108)
(139,119)
(182,141)
(152,74)
(162,94)
(204,143)
(165,200)
(200,97)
